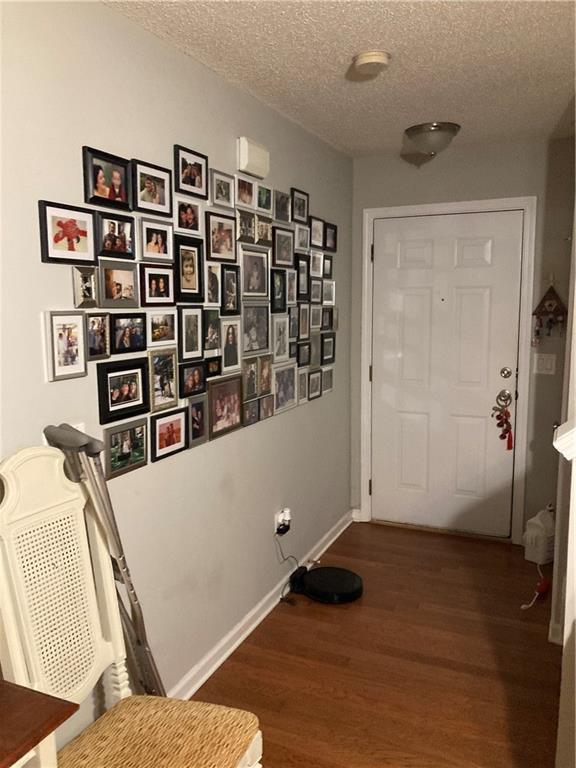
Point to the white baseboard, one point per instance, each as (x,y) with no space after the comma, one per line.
(200,672)
(555,633)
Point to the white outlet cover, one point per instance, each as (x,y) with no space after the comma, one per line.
(544,364)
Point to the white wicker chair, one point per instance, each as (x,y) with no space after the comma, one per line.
(60,631)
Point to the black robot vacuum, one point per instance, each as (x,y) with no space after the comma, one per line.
(326,584)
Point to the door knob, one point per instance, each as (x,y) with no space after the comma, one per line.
(505,372)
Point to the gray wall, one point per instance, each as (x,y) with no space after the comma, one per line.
(519,168)
(197,527)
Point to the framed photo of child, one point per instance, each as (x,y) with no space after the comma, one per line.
(107,179)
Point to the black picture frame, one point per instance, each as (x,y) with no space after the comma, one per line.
(114,250)
(162,177)
(327,319)
(63,228)
(330,237)
(303,355)
(293,350)
(296,195)
(315,376)
(282,247)
(109,165)
(316,285)
(302,277)
(212,332)
(123,370)
(163,273)
(229,387)
(198,161)
(135,325)
(231,302)
(250,414)
(199,422)
(328,357)
(190,384)
(188,249)
(213,366)
(119,460)
(328,267)
(246,226)
(278,291)
(282,206)
(163,419)
(97,325)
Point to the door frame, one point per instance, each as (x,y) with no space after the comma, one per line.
(528,206)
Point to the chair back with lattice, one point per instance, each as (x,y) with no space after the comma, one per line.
(59,622)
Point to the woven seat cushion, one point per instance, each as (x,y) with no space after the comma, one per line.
(154,732)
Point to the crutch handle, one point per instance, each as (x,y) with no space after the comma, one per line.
(67,438)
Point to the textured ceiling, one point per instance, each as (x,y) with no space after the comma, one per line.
(502,69)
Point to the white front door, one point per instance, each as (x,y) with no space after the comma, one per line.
(445,327)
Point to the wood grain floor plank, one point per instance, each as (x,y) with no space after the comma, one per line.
(435,667)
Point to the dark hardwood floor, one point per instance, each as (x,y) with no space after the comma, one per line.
(435,666)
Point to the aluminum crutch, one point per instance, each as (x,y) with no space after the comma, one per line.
(83,456)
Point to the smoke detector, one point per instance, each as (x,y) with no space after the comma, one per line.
(370,63)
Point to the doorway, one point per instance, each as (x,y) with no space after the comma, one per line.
(446,311)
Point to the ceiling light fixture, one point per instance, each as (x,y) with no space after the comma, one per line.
(431,138)
(369,64)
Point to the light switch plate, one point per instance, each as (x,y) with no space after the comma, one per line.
(545,364)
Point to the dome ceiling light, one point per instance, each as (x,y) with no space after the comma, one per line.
(431,138)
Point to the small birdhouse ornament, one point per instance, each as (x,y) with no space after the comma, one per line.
(550,313)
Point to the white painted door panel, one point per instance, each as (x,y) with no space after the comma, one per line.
(445,321)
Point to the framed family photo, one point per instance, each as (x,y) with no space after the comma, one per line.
(315,317)
(85,287)
(230,288)
(212,332)
(220,237)
(127,333)
(264,229)
(155,240)
(117,284)
(115,236)
(302,385)
(231,336)
(162,365)
(213,367)
(314,385)
(315,349)
(151,188)
(291,287)
(280,339)
(254,272)
(191,378)
(256,322)
(97,336)
(315,290)
(161,327)
(316,232)
(264,199)
(125,448)
(188,216)
(191,172)
(191,334)
(212,282)
(250,378)
(278,291)
(303,283)
(198,420)
(330,237)
(266,409)
(66,345)
(156,285)
(328,351)
(283,247)
(251,412)
(304,322)
(123,389)
(302,238)
(285,387)
(293,313)
(281,206)
(264,375)
(303,354)
(169,434)
(246,226)
(299,205)
(316,264)
(225,405)
(329,292)
(246,192)
(327,319)
(189,269)
(222,191)
(107,179)
(66,234)
(327,379)
(327,266)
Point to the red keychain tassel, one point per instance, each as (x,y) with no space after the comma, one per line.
(510,443)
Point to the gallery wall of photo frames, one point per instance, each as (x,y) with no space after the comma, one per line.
(221,296)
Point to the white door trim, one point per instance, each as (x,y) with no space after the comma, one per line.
(528,206)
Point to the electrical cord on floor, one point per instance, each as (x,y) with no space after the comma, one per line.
(284,559)
(542,588)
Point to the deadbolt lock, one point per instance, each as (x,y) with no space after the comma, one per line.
(505,372)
